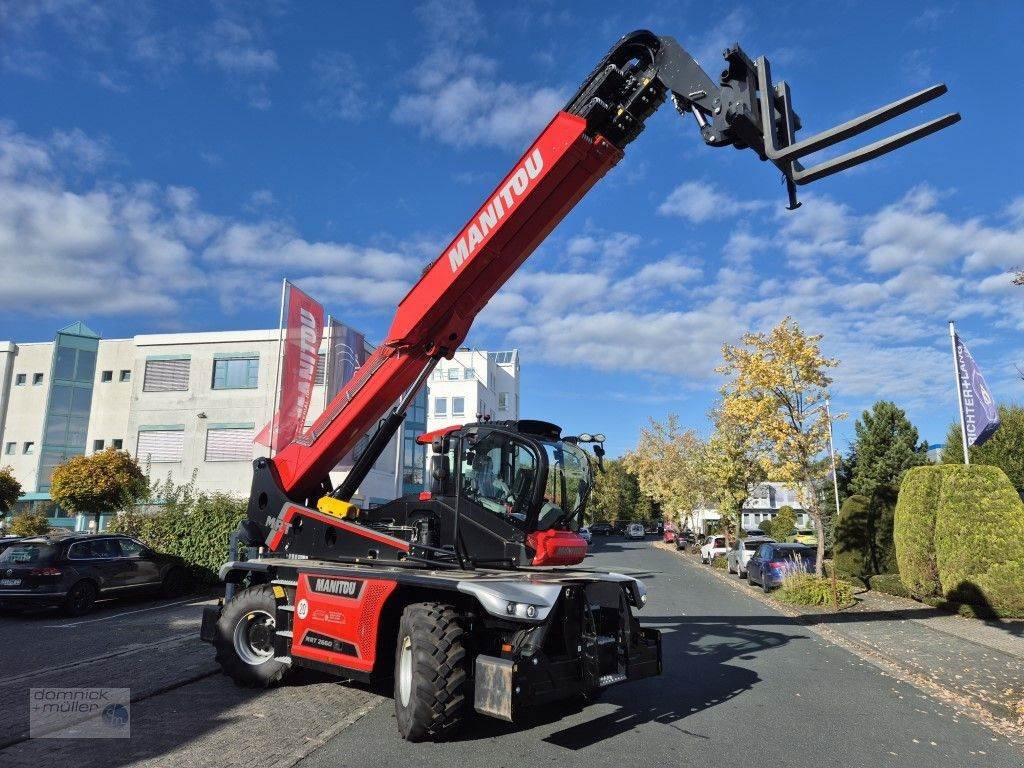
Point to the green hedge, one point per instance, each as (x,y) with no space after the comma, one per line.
(852,552)
(889,583)
(197,532)
(914,530)
(979,539)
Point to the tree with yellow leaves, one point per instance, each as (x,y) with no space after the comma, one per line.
(734,466)
(777,385)
(669,464)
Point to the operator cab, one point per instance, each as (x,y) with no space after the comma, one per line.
(516,488)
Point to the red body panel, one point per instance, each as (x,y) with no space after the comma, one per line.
(557,547)
(336,619)
(434,317)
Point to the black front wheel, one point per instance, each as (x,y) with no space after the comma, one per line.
(244,639)
(80,599)
(430,672)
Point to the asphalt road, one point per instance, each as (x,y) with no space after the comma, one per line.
(743,685)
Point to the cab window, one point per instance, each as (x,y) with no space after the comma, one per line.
(498,474)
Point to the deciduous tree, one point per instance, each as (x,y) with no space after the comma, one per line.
(734,466)
(777,385)
(10,490)
(99,484)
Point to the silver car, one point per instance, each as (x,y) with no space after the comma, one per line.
(741,551)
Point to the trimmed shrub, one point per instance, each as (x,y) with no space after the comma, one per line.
(197,532)
(889,583)
(914,530)
(852,552)
(979,539)
(808,589)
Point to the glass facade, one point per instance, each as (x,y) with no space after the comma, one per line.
(414,455)
(69,400)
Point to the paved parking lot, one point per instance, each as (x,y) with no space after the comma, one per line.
(737,673)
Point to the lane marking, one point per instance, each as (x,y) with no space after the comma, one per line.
(126,613)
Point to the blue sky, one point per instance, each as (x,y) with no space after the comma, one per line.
(163,166)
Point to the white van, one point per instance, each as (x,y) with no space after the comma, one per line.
(634,531)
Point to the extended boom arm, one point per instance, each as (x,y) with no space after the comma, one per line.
(744,109)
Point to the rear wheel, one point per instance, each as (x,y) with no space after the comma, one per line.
(245,639)
(173,584)
(430,672)
(80,599)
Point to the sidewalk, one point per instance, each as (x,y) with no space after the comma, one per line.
(974,664)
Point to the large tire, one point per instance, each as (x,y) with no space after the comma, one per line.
(244,639)
(80,599)
(430,672)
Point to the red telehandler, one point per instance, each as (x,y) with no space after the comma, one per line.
(470,594)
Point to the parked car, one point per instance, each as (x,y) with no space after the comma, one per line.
(669,534)
(635,531)
(685,539)
(806,536)
(585,534)
(601,529)
(772,561)
(72,572)
(741,552)
(713,547)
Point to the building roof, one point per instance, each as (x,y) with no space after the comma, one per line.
(79,328)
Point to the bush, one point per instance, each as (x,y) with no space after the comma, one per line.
(781,526)
(807,589)
(979,539)
(197,531)
(914,530)
(864,536)
(719,561)
(29,524)
(890,584)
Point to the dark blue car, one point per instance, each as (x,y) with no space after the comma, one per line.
(772,562)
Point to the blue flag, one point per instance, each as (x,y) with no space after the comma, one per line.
(981,417)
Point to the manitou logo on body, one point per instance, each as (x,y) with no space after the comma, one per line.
(496,210)
(339,587)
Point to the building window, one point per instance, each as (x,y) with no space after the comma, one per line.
(166,375)
(37,379)
(29,448)
(440,406)
(20,379)
(126,375)
(161,446)
(458,406)
(236,373)
(118,443)
(437,375)
(453,374)
(470,373)
(106,376)
(97,445)
(503,401)
(229,444)
(9,448)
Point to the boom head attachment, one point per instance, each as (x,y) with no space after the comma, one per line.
(743,109)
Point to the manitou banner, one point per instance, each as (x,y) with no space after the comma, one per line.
(979,415)
(302,329)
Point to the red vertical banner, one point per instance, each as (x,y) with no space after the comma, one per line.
(303,332)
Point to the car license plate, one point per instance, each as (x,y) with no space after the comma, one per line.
(9,582)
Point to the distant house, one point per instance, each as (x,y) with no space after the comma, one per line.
(764,502)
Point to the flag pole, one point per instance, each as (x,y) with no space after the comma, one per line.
(277,374)
(832,455)
(959,393)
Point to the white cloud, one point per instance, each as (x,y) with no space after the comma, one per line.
(698,201)
(340,89)
(458,97)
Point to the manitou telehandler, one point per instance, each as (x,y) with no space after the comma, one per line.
(466,593)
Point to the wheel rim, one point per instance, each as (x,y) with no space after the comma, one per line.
(253,638)
(405,671)
(80,597)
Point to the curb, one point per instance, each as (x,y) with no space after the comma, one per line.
(326,735)
(964,705)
